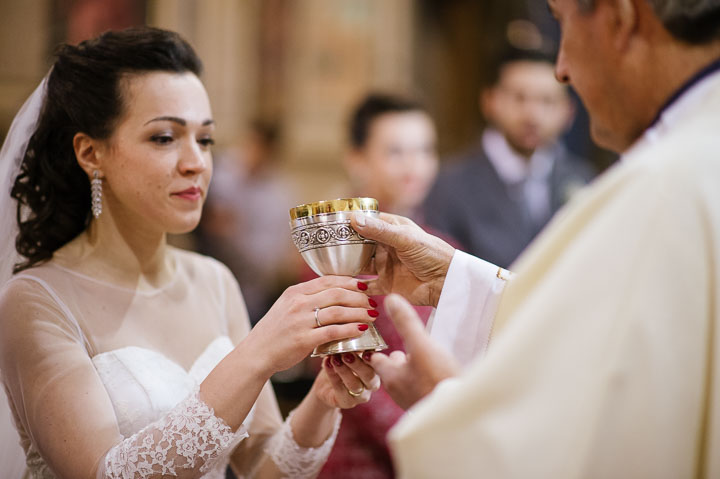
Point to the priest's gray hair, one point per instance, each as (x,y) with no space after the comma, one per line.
(693,21)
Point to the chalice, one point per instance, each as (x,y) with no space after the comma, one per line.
(328,243)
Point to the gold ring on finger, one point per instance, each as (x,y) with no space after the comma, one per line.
(364,386)
(355,394)
(317,320)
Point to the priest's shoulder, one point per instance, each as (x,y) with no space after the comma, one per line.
(686,158)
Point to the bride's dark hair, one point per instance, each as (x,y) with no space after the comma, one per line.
(83,95)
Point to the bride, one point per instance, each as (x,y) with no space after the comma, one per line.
(122,356)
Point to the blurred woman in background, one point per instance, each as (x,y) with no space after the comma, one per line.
(393,158)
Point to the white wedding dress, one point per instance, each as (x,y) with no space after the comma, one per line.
(118,371)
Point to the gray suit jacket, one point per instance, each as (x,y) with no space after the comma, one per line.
(471,203)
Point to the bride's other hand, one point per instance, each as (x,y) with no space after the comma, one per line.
(291,329)
(345,381)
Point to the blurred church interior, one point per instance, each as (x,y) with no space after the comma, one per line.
(301,64)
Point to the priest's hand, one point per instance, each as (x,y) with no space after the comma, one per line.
(410,377)
(408,261)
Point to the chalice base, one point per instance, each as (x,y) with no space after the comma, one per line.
(370,340)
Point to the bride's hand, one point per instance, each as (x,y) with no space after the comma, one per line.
(345,381)
(289,331)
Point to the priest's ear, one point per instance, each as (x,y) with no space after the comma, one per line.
(89,152)
(625,21)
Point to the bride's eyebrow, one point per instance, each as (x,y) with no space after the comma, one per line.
(174,119)
(178,120)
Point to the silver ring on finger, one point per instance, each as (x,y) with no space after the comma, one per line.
(317,319)
(355,394)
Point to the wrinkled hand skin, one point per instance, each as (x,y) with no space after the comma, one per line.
(410,377)
(408,261)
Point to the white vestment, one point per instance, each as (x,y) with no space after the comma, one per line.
(605,357)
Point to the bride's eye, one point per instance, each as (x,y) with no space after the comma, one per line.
(162,139)
(206,142)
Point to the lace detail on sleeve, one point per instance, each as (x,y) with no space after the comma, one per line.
(187,440)
(298,462)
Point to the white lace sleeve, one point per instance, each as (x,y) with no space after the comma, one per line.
(298,462)
(188,441)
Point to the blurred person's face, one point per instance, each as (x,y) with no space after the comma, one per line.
(594,58)
(398,163)
(528,105)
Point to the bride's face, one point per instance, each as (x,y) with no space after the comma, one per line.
(157,163)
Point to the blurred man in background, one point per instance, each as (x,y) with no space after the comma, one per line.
(500,194)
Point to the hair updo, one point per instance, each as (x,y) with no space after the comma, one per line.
(83,95)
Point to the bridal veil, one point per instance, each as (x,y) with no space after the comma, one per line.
(12,457)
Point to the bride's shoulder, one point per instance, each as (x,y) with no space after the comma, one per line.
(28,290)
(31,279)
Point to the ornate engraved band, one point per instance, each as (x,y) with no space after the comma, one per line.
(326,234)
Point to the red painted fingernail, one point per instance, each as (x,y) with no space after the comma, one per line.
(349,358)
(367,355)
(372,302)
(363,327)
(373,313)
(328,363)
(362,286)
(336,359)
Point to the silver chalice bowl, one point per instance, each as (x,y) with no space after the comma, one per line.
(328,243)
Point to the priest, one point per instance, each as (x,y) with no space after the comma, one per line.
(600,355)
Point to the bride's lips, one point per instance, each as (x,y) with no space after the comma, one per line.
(191,194)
